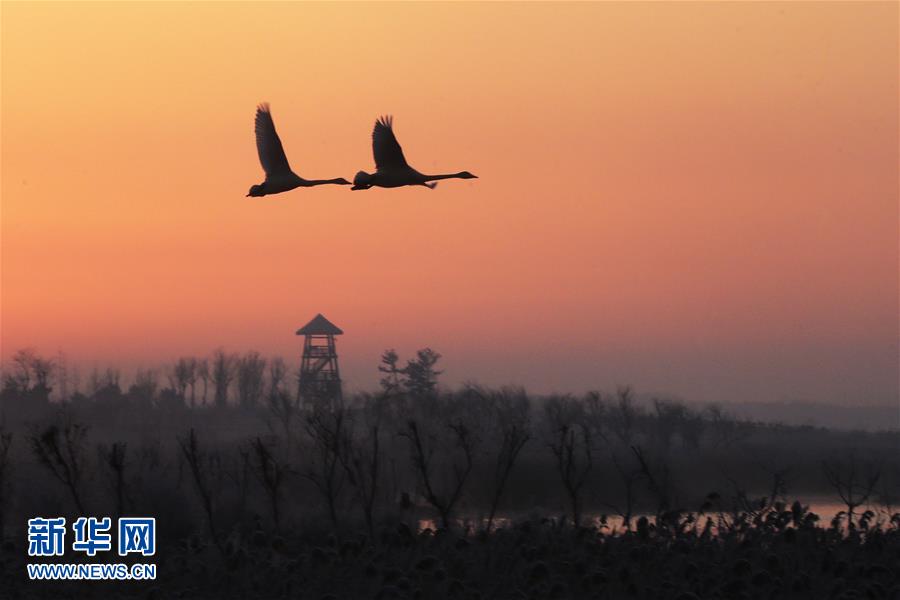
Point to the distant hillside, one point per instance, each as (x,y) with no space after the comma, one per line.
(868,418)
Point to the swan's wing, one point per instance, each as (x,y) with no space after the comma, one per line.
(387,151)
(271,154)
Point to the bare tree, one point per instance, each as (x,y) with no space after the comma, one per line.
(61,372)
(569,439)
(237,467)
(191,368)
(31,375)
(778,475)
(20,377)
(597,415)
(624,415)
(61,451)
(148,467)
(43,369)
(853,480)
(31,370)
(222,376)
(659,480)
(669,418)
(271,474)
(628,477)
(203,374)
(442,429)
(279,401)
(113,458)
(361,454)
(184,374)
(325,426)
(511,430)
(251,369)
(204,469)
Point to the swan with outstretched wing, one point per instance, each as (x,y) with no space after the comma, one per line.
(391,168)
(279,176)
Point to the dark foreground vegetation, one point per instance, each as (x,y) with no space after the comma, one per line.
(775,553)
(415,491)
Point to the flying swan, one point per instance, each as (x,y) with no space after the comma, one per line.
(392,169)
(279,176)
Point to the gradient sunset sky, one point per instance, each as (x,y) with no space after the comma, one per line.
(698,199)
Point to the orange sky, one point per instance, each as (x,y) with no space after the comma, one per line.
(697,198)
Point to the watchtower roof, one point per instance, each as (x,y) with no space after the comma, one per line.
(320,326)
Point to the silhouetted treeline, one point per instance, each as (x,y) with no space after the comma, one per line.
(818,414)
(220,449)
(233,427)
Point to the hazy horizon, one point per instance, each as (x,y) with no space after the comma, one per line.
(360,376)
(698,200)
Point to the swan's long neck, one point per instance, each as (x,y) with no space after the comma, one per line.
(312,182)
(447,176)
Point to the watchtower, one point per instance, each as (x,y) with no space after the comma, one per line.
(320,379)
